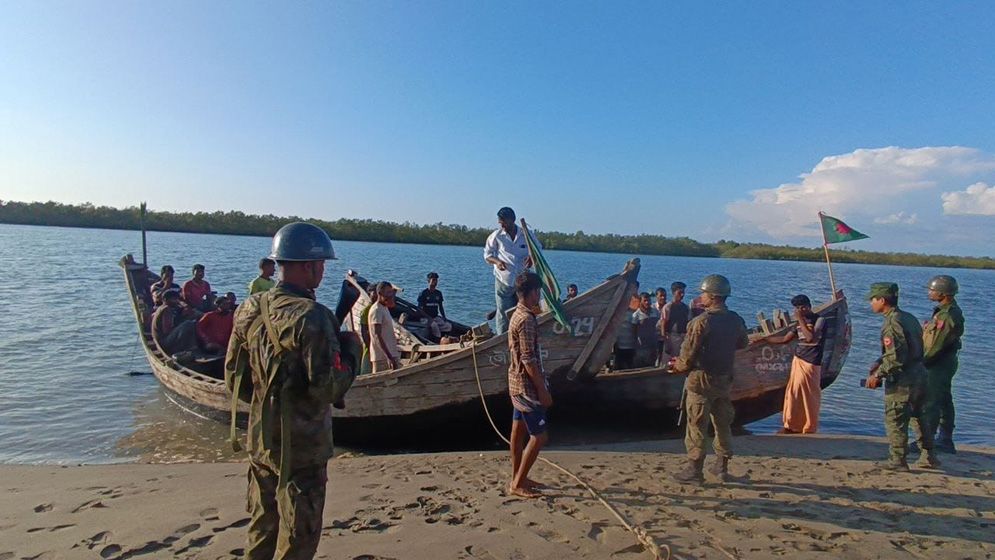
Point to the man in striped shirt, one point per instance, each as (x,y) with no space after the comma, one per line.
(527,386)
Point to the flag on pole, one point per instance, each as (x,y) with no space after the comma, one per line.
(835,231)
(550,287)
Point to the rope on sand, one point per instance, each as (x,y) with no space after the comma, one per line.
(640,534)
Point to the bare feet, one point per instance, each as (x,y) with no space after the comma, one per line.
(532,485)
(523,492)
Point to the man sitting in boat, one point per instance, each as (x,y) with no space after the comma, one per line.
(263,282)
(626,340)
(173,327)
(214,328)
(165,283)
(430,303)
(197,291)
(571,292)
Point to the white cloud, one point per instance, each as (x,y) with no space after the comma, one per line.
(858,185)
(978,199)
(898,218)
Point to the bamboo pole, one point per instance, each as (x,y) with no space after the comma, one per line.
(145,252)
(829,263)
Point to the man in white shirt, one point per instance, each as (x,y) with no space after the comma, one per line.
(508,252)
(384,353)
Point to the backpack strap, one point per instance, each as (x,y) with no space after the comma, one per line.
(278,349)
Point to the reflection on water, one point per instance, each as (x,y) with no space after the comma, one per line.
(68,340)
(167,432)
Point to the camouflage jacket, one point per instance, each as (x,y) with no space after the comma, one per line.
(942,333)
(296,383)
(901,348)
(710,346)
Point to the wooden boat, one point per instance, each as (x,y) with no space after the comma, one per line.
(761,375)
(434,386)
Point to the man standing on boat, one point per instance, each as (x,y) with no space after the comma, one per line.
(289,344)
(941,343)
(900,368)
(508,252)
(707,356)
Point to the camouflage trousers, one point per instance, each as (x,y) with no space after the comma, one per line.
(939,399)
(904,406)
(707,400)
(286,523)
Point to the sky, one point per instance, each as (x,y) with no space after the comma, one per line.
(730,121)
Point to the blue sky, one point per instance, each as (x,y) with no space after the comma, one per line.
(737,121)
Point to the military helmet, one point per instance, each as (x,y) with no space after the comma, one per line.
(716,284)
(302,242)
(944,284)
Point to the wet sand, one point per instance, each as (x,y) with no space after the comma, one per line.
(797,496)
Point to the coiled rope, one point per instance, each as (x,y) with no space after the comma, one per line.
(640,534)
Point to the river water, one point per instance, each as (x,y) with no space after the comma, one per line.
(75,387)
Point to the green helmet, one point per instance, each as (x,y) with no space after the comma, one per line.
(944,284)
(716,284)
(302,242)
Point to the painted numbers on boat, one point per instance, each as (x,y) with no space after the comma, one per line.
(582,326)
(772,360)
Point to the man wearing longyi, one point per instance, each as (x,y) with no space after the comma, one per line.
(289,344)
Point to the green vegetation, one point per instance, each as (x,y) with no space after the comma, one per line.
(239,223)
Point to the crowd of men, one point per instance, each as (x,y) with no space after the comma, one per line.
(193,317)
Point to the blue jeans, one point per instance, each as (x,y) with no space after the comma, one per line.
(504,299)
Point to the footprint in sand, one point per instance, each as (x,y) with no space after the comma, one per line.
(210,514)
(92,504)
(6,555)
(42,508)
(110,550)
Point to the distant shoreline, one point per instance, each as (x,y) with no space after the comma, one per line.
(239,223)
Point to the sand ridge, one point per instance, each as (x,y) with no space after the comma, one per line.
(798,496)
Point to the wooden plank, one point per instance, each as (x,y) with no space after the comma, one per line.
(606,319)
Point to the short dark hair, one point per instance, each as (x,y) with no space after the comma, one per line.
(678,286)
(432,275)
(660,291)
(196,266)
(801,299)
(221,299)
(170,294)
(644,295)
(266,261)
(506,213)
(574,286)
(166,269)
(526,282)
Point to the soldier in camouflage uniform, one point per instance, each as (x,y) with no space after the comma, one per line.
(288,345)
(707,355)
(941,342)
(900,368)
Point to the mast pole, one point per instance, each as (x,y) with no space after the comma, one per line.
(145,252)
(829,263)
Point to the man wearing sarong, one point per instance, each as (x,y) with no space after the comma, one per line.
(803,395)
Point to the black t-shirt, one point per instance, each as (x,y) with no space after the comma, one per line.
(430,301)
(811,352)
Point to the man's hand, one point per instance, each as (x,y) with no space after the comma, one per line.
(528,261)
(873,382)
(395,362)
(799,316)
(501,266)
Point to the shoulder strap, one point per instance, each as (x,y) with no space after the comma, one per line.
(268,324)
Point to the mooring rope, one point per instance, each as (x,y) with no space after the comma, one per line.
(640,534)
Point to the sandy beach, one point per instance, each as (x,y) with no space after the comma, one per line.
(798,496)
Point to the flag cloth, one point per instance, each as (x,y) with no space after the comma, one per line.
(550,287)
(835,231)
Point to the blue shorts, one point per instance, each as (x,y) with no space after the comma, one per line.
(535,421)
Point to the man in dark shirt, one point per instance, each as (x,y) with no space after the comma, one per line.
(674,319)
(430,303)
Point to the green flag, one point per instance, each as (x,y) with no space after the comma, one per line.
(835,231)
(550,287)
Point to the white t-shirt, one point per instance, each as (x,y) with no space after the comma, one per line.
(380,315)
(512,252)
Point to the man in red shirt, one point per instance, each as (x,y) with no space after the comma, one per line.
(196,291)
(214,328)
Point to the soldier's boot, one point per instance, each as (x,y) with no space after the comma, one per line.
(720,469)
(892,465)
(944,442)
(928,460)
(692,473)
